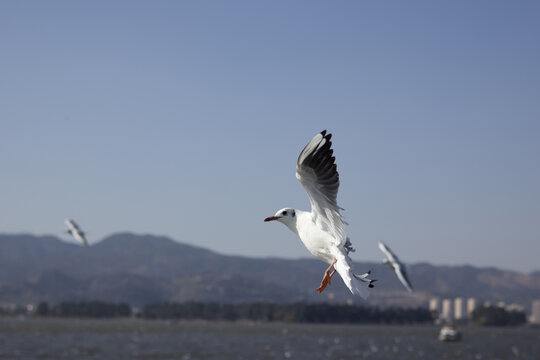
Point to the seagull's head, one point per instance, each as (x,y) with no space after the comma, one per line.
(286,216)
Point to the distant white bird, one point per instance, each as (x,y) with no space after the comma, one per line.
(393,263)
(322,230)
(75,231)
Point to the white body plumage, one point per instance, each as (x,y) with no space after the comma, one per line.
(322,231)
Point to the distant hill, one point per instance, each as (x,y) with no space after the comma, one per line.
(141,269)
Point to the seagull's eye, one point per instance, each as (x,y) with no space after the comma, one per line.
(284,213)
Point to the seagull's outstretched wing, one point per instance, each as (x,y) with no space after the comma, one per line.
(76,232)
(82,238)
(389,254)
(317,172)
(402,276)
(398,267)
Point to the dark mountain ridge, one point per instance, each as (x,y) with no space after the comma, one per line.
(140,269)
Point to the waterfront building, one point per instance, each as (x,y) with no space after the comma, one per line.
(535,312)
(435,305)
(446,310)
(471,305)
(459,309)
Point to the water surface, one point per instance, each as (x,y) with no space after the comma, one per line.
(143,339)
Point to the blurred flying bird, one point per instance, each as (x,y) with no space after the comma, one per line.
(392,261)
(323,230)
(76,231)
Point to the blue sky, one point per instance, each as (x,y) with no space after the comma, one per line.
(185,119)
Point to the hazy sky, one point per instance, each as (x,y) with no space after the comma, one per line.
(185,119)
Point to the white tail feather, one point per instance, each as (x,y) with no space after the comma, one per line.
(357,284)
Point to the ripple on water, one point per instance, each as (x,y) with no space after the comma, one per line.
(112,339)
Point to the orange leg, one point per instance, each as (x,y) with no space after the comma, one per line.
(327,276)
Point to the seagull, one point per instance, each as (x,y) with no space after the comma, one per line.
(393,263)
(76,231)
(322,231)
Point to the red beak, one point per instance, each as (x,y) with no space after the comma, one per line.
(270,218)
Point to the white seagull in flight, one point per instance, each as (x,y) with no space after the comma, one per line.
(393,263)
(76,231)
(322,230)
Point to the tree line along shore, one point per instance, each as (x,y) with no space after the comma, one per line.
(260,311)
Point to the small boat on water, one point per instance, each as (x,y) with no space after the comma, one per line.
(449,333)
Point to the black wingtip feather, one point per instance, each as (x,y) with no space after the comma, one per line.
(321,160)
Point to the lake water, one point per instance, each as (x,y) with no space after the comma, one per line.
(141,339)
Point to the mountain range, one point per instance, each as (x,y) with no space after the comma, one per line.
(143,269)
